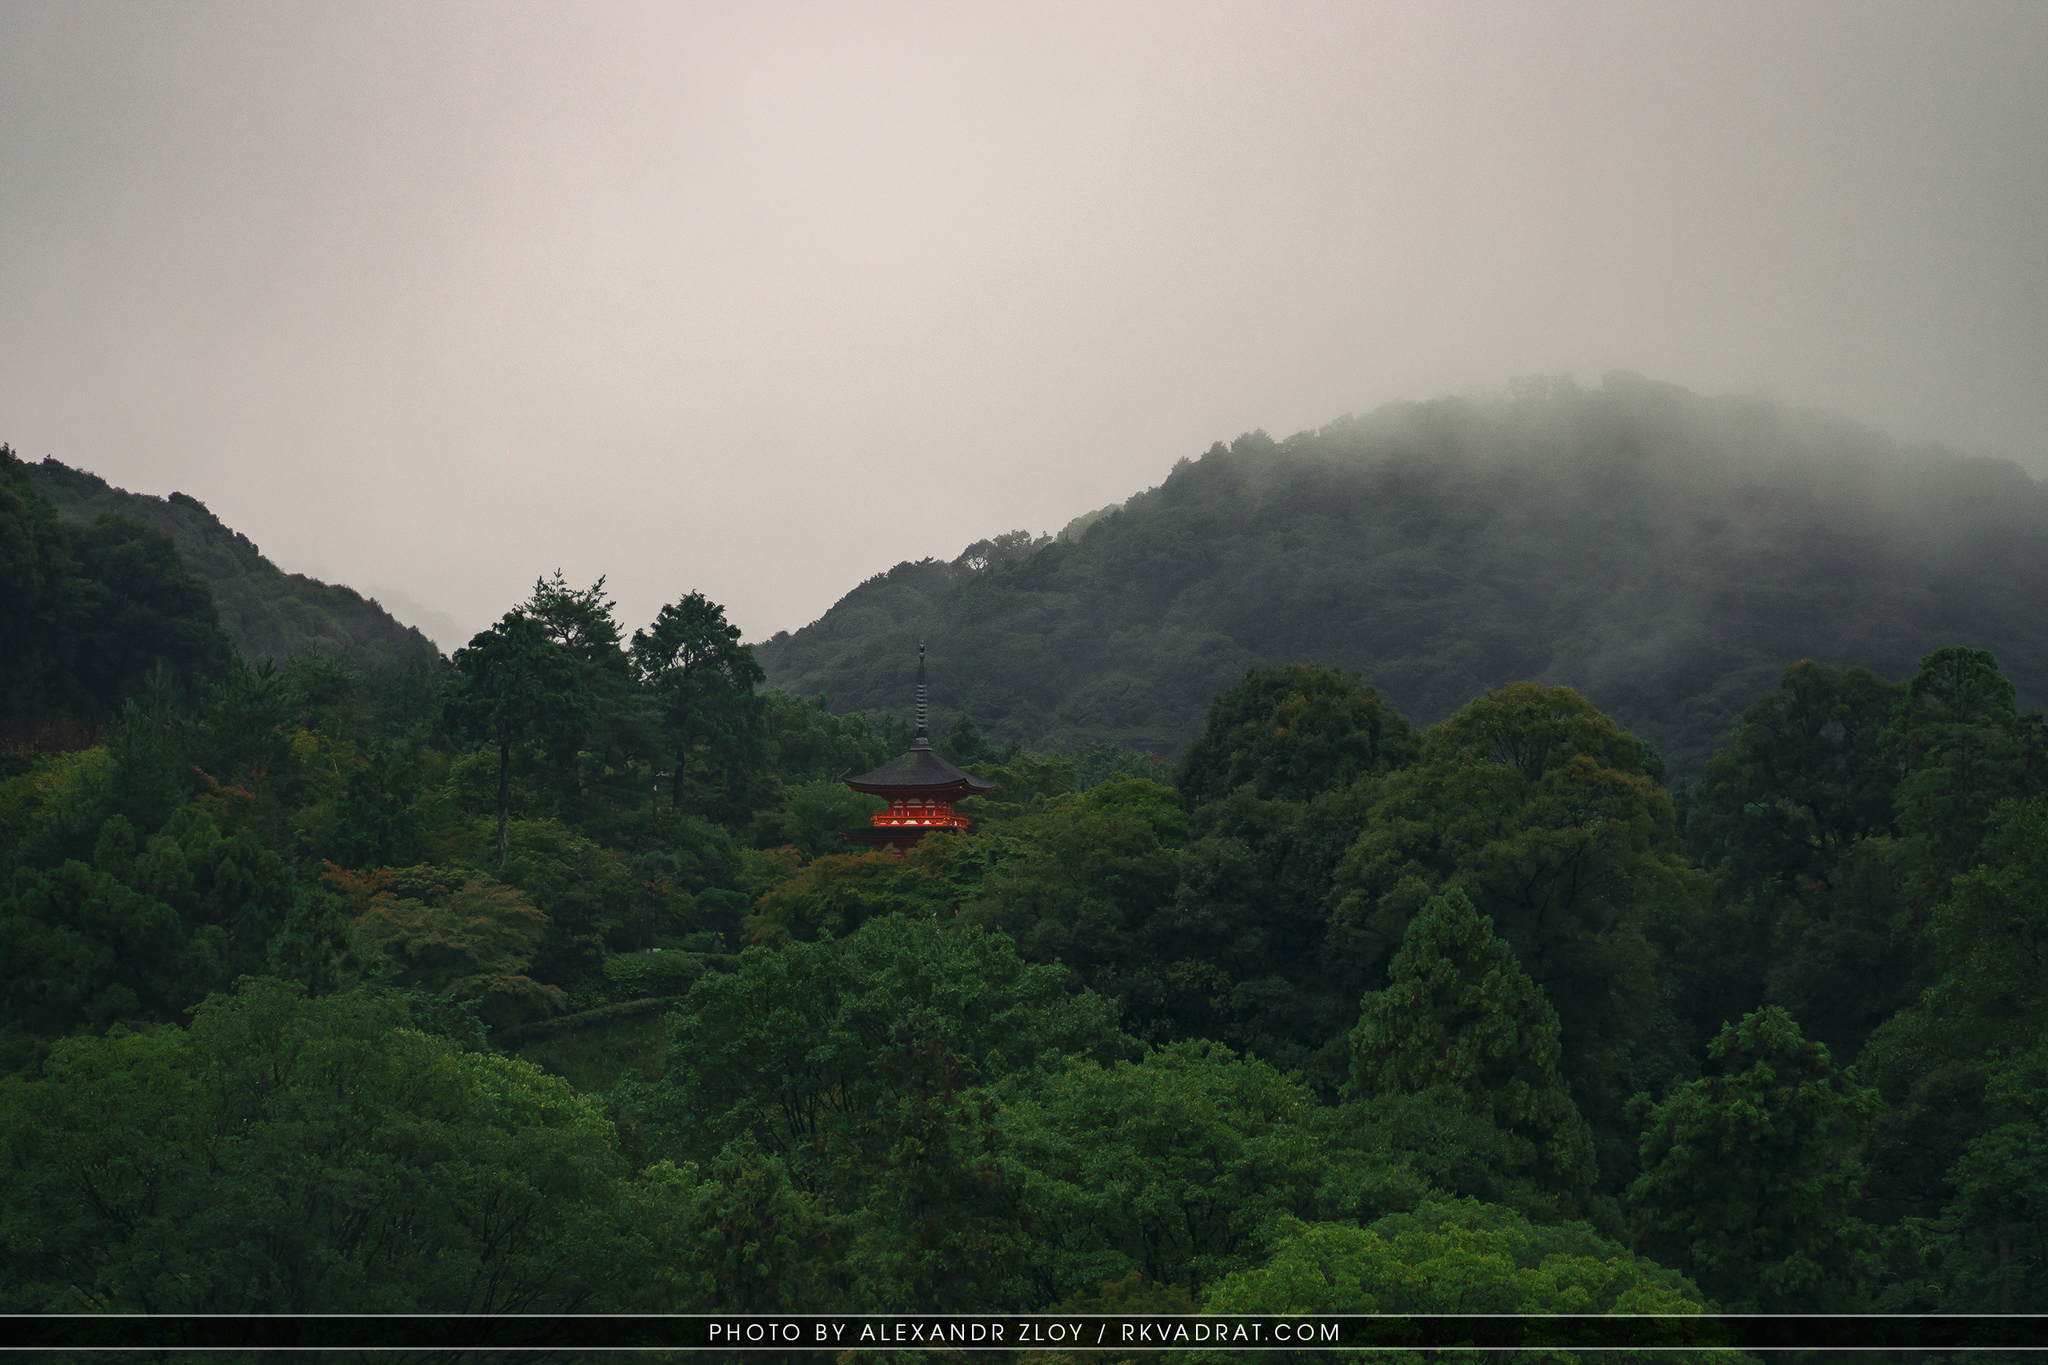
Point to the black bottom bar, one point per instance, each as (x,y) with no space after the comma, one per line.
(424,1332)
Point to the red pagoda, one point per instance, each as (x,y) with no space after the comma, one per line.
(920,788)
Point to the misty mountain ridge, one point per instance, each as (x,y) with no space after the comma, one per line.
(267,612)
(1664,553)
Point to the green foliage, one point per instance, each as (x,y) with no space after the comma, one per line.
(834,896)
(522,685)
(1545,814)
(55,804)
(1024,786)
(1796,820)
(964,745)
(1747,1176)
(1131,1296)
(1292,733)
(1453,1256)
(702,680)
(1803,778)
(145,780)
(1181,1166)
(1088,881)
(266,612)
(744,1239)
(1460,1014)
(289,1155)
(794,1047)
(1989,944)
(1378,971)
(1102,762)
(694,855)
(247,725)
(37,563)
(585,757)
(589,894)
(1249,923)
(942,1229)
(806,742)
(453,934)
(138,607)
(1966,875)
(93,608)
(1987,1251)
(1964,750)
(375,824)
(144,930)
(666,973)
(595,1049)
(811,816)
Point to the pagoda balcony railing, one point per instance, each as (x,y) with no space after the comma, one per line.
(919,817)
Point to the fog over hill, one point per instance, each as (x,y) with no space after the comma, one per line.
(1663,552)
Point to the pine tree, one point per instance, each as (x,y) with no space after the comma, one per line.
(1460,1014)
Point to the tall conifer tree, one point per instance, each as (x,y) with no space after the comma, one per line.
(1459,1012)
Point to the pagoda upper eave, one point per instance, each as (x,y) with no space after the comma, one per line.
(921,771)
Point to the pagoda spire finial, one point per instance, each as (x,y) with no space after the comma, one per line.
(922,741)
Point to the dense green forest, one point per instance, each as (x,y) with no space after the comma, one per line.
(1661,553)
(268,613)
(539,979)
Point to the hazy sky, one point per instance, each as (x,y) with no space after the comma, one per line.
(760,299)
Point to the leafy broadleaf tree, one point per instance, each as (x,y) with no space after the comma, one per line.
(1964,748)
(1178,1166)
(1748,1182)
(461,936)
(1292,732)
(1804,778)
(1969,872)
(1987,945)
(795,1048)
(1087,881)
(286,1155)
(941,1229)
(1989,1252)
(522,685)
(746,1239)
(1549,816)
(1795,819)
(145,930)
(1251,903)
(1450,1256)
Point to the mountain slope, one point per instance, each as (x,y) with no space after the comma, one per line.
(267,612)
(1665,553)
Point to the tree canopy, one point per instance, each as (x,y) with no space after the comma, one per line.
(544,981)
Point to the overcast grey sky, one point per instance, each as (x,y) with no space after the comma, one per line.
(760,298)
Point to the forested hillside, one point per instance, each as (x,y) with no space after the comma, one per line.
(1664,554)
(540,979)
(268,613)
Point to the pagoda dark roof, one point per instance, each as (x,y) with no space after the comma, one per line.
(919,770)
